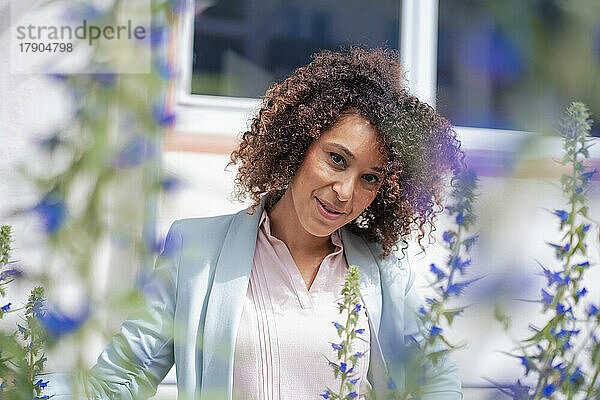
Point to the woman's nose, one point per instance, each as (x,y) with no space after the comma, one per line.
(344,189)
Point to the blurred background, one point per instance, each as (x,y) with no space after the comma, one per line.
(502,72)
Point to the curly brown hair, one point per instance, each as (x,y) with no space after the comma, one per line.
(420,144)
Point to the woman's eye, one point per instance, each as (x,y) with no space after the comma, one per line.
(337,158)
(372,178)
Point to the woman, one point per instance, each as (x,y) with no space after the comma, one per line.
(341,163)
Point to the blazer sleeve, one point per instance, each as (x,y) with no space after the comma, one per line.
(442,379)
(141,353)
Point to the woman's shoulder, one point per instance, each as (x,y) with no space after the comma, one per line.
(198,224)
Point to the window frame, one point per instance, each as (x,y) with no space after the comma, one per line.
(208,123)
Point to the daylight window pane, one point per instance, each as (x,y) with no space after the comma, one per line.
(517,64)
(242,46)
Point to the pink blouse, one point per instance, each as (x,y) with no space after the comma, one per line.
(286,331)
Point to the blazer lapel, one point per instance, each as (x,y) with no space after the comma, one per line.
(225,304)
(359,254)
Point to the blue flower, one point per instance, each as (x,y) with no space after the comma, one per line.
(157,35)
(447,237)
(435,331)
(164,69)
(162,116)
(547,297)
(554,277)
(342,367)
(456,262)
(586,176)
(353,381)
(581,292)
(460,219)
(358,354)
(563,215)
(527,364)
(356,308)
(391,384)
(135,152)
(585,227)
(352,395)
(440,274)
(422,311)
(41,383)
(459,287)
(337,346)
(51,210)
(576,377)
(6,307)
(105,79)
(581,265)
(359,331)
(560,250)
(592,310)
(13,272)
(337,326)
(58,324)
(326,394)
(549,389)
(170,183)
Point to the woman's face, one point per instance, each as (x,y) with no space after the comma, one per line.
(339,177)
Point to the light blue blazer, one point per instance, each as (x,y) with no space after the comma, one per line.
(194,303)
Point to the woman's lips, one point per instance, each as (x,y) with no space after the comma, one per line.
(325,213)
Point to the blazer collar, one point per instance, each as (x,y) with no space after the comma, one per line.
(230,284)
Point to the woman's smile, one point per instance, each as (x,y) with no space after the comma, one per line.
(328,212)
